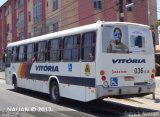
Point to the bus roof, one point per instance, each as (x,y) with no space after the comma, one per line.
(72,31)
(128,23)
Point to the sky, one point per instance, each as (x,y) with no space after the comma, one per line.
(158,7)
(2,1)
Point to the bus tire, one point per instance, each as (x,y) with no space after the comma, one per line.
(54,92)
(153,96)
(15,84)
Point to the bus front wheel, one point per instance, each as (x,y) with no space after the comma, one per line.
(15,84)
(54,92)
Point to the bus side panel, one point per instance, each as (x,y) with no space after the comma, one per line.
(70,82)
(20,70)
(72,91)
(36,85)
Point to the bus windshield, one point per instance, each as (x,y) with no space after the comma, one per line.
(126,39)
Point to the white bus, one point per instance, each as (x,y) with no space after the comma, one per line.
(104,59)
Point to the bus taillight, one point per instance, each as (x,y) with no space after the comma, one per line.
(103,78)
(154,71)
(102,72)
(152,76)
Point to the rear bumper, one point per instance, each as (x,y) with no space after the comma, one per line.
(127,91)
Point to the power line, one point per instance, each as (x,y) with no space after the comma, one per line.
(58,11)
(82,18)
(70,17)
(76,20)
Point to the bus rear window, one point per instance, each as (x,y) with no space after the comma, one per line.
(127,39)
(137,41)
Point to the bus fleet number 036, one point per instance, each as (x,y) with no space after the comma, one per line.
(138,70)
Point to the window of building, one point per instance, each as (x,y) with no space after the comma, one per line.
(29,16)
(8,10)
(42,51)
(55,49)
(21,54)
(37,8)
(88,46)
(19,3)
(97,4)
(20,21)
(55,27)
(21,36)
(14,54)
(129,8)
(7,28)
(29,35)
(47,4)
(31,52)
(37,31)
(55,4)
(71,48)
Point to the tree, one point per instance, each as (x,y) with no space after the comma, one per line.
(156,24)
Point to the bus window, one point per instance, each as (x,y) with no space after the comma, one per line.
(88,46)
(76,48)
(14,54)
(137,41)
(140,40)
(55,49)
(21,54)
(8,55)
(71,46)
(30,52)
(41,55)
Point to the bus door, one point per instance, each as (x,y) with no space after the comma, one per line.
(71,68)
(88,64)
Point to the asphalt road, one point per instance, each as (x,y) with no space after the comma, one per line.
(28,103)
(31,104)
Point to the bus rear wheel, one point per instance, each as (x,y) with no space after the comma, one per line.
(15,85)
(54,92)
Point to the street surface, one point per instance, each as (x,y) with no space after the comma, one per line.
(28,103)
(31,102)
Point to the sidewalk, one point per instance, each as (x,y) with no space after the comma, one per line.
(157,85)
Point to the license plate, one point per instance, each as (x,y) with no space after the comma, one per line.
(129,78)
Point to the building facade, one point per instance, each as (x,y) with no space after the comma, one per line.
(22,19)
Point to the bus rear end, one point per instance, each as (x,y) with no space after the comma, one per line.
(125,66)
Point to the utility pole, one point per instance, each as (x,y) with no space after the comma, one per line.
(149,13)
(120,10)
